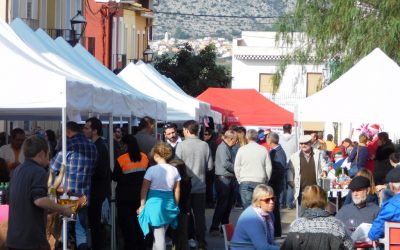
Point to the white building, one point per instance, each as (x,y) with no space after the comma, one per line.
(256,58)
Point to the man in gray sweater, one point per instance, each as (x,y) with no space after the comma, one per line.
(197,157)
(224,181)
(252,167)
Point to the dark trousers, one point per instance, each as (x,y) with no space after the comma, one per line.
(198,222)
(225,187)
(180,235)
(277,213)
(94,215)
(210,187)
(129,225)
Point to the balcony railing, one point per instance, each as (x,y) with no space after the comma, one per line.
(33,23)
(67,34)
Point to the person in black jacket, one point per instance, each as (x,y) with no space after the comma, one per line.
(129,171)
(277,180)
(210,137)
(382,164)
(317,229)
(100,188)
(180,237)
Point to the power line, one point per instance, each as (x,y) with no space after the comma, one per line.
(216,16)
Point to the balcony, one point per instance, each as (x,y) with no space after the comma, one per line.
(67,34)
(32,23)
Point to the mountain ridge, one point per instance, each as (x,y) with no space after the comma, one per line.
(215,18)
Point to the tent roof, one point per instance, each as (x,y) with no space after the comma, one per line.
(246,107)
(177,110)
(365,93)
(204,108)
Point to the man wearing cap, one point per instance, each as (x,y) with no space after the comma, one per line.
(359,211)
(390,210)
(171,134)
(305,167)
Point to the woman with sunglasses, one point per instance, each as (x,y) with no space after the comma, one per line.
(255,226)
(317,229)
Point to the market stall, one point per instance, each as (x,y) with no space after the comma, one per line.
(246,107)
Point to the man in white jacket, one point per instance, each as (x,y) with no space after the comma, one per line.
(252,167)
(305,167)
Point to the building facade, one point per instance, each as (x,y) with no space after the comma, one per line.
(256,58)
(120,30)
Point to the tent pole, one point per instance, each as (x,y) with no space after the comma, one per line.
(130,125)
(113,184)
(155,129)
(64,160)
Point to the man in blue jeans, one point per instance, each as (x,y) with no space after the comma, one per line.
(79,167)
(252,167)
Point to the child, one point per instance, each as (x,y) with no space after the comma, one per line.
(160,196)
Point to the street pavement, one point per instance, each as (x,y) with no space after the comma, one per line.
(217,243)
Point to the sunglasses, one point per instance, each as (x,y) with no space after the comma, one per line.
(206,134)
(169,125)
(304,143)
(268,200)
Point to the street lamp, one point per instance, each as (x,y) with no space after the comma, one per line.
(76,21)
(148,54)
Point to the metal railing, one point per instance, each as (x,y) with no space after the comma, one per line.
(33,23)
(67,34)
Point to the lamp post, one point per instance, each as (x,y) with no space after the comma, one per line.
(148,54)
(77,21)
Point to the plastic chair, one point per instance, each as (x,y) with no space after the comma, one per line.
(392,236)
(228,230)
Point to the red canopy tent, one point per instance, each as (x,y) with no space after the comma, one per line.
(246,107)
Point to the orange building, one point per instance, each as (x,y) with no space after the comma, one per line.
(117,32)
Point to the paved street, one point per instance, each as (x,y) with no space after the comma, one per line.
(217,243)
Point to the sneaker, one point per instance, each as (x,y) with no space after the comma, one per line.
(168,243)
(192,243)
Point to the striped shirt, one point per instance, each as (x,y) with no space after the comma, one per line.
(79,167)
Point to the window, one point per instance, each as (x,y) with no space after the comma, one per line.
(92,45)
(29,10)
(133,43)
(314,83)
(126,40)
(266,83)
(121,37)
(138,45)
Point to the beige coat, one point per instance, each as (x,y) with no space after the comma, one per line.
(294,169)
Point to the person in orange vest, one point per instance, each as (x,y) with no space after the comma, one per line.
(129,172)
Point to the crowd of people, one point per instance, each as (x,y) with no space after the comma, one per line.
(164,188)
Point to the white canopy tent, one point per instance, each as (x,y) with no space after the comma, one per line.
(217,116)
(27,94)
(158,106)
(124,100)
(148,70)
(366,93)
(177,109)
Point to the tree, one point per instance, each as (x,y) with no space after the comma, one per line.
(194,73)
(340,32)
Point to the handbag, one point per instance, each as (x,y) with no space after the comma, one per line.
(354,168)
